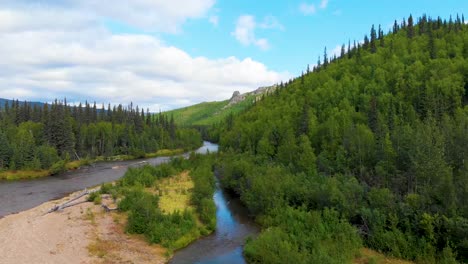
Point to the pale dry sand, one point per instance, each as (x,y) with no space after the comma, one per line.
(79,234)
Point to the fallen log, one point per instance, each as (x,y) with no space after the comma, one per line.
(69,203)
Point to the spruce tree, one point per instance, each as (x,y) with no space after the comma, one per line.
(395,27)
(5,151)
(325,57)
(373,45)
(410,27)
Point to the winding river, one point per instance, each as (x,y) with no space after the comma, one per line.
(223,246)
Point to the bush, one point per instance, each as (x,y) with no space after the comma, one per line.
(299,236)
(106,188)
(93,196)
(58,167)
(47,156)
(202,195)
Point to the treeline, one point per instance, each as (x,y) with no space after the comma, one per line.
(34,137)
(376,138)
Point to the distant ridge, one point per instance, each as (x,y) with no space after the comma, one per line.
(3,101)
(209,113)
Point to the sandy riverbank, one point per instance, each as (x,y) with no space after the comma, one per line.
(80,234)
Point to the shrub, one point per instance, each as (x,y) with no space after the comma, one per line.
(58,167)
(299,236)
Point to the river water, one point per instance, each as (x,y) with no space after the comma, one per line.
(223,246)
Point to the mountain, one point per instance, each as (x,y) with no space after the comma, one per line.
(209,113)
(10,102)
(368,148)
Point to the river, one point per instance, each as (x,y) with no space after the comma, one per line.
(223,246)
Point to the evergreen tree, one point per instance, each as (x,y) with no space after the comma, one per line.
(381,37)
(5,151)
(410,28)
(325,57)
(395,27)
(373,44)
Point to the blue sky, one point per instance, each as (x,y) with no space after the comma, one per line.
(302,37)
(163,54)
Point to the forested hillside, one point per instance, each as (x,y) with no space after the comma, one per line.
(208,113)
(34,137)
(368,148)
(3,102)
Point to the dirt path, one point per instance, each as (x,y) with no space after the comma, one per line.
(79,234)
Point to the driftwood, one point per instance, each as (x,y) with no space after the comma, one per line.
(107,208)
(69,203)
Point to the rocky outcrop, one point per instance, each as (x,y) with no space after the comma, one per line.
(237,97)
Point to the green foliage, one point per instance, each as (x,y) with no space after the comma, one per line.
(58,167)
(177,229)
(379,134)
(208,113)
(93,197)
(5,151)
(298,236)
(36,138)
(202,195)
(47,156)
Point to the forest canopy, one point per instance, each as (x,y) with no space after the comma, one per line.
(378,134)
(34,136)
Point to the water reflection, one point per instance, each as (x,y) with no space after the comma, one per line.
(233,226)
(17,196)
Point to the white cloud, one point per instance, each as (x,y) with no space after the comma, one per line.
(245,30)
(307,9)
(270,22)
(310,9)
(46,57)
(336,51)
(149,15)
(214,20)
(323,4)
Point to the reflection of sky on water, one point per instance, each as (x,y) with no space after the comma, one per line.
(233,257)
(207,147)
(233,226)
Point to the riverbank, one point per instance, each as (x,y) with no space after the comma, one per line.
(176,214)
(76,234)
(12,175)
(85,233)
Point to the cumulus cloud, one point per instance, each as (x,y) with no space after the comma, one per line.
(149,15)
(246,26)
(323,4)
(310,9)
(336,51)
(307,9)
(46,55)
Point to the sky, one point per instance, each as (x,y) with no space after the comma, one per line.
(162,54)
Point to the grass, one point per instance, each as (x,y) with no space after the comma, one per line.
(174,193)
(208,113)
(165,152)
(12,175)
(73,165)
(98,248)
(23,174)
(369,256)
